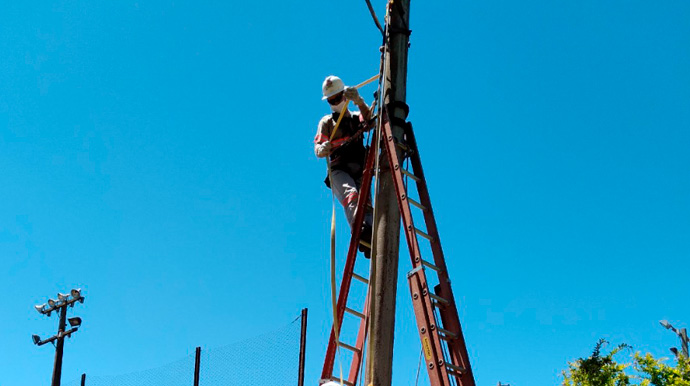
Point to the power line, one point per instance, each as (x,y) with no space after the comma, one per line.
(373,15)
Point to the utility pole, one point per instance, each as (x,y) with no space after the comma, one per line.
(60,305)
(387,237)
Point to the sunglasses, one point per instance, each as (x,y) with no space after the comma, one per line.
(337,98)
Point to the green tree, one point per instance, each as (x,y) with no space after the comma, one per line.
(598,369)
(604,370)
(655,372)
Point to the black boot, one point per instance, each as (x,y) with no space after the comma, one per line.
(365,236)
(366,232)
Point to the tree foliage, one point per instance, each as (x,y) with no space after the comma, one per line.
(598,369)
(644,370)
(655,372)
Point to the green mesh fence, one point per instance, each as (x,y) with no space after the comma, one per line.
(271,358)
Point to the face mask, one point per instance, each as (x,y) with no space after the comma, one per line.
(339,107)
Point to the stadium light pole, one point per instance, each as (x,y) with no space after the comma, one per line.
(59,306)
(682,334)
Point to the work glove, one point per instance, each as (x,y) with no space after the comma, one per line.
(323,149)
(352,94)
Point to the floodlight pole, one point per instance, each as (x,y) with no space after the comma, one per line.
(59,345)
(683,335)
(60,306)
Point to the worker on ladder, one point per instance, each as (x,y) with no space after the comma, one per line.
(345,149)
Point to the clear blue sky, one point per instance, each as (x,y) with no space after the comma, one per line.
(158,154)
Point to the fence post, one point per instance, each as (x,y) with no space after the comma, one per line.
(302,346)
(197,364)
(83,379)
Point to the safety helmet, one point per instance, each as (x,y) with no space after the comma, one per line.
(331,86)
(331,383)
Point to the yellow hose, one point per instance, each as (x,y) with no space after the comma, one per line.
(334,302)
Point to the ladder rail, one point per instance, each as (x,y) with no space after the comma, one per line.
(361,339)
(449,314)
(422,304)
(348,273)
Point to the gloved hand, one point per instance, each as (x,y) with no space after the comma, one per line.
(352,94)
(323,149)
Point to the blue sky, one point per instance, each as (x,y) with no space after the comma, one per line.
(159,156)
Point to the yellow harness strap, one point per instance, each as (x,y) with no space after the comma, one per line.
(334,302)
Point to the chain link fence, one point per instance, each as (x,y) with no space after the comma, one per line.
(271,358)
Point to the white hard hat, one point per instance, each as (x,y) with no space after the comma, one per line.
(331,383)
(331,86)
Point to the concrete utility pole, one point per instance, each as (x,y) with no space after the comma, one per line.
(387,213)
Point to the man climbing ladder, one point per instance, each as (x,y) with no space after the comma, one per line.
(345,149)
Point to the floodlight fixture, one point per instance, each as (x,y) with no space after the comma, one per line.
(682,334)
(76,293)
(69,332)
(39,308)
(36,339)
(62,297)
(674,351)
(51,303)
(74,322)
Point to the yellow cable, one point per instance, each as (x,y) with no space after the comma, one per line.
(334,302)
(340,118)
(366,82)
(372,267)
(342,112)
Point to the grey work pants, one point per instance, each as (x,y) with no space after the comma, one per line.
(346,190)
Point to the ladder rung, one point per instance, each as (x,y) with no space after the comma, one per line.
(455,369)
(360,278)
(402,146)
(365,243)
(347,346)
(405,172)
(355,313)
(415,203)
(421,233)
(428,264)
(447,335)
(439,299)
